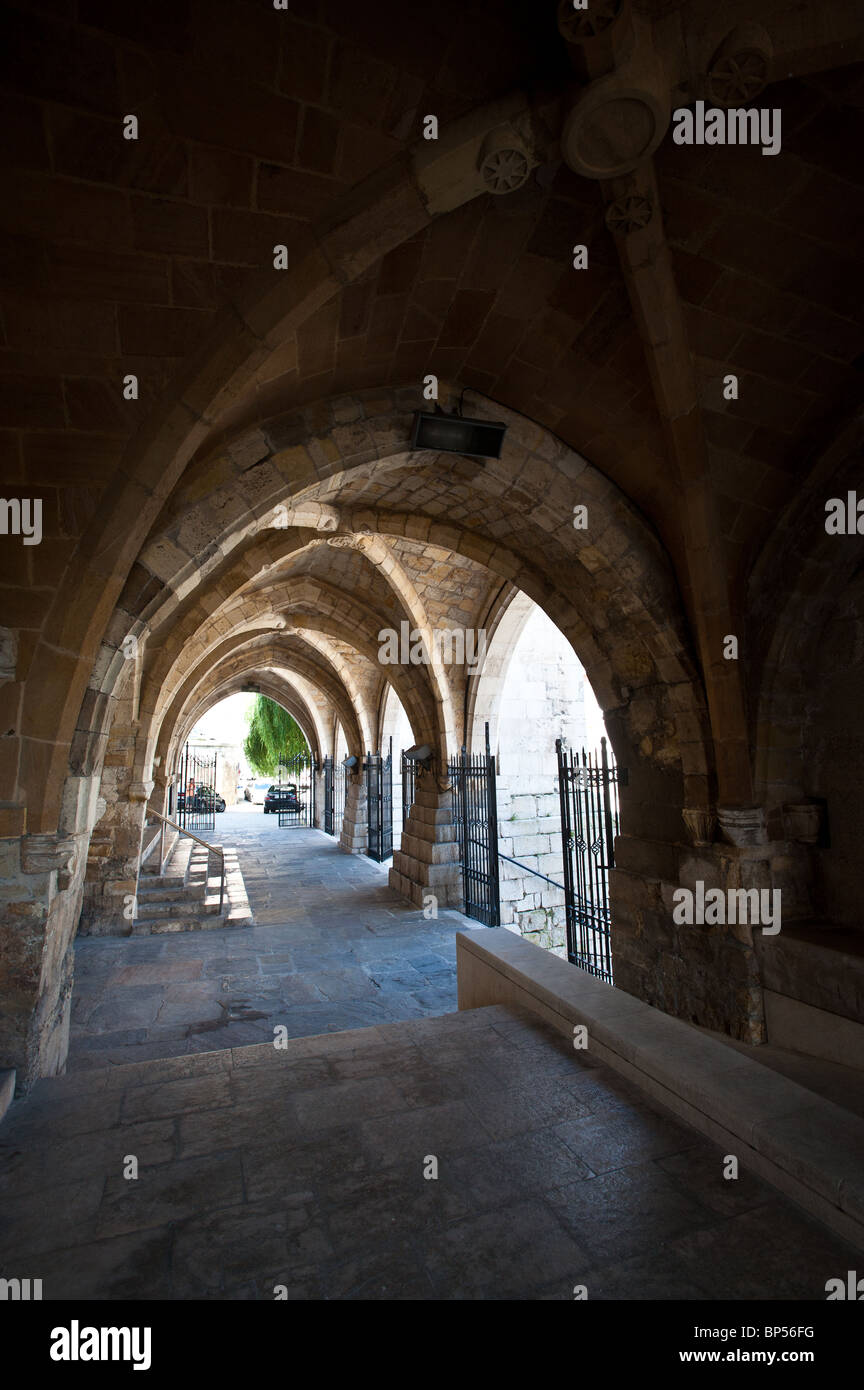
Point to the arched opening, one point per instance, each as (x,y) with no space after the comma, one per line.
(536,692)
(396,734)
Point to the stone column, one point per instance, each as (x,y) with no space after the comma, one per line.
(41,883)
(319,799)
(354,838)
(428,860)
(115,846)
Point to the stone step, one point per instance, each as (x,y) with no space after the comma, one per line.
(174,907)
(171,892)
(236,914)
(178,863)
(190,900)
(173,882)
(158,926)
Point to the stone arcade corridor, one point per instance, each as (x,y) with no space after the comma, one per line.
(332,948)
(420,369)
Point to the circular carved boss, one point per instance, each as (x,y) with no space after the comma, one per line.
(612,128)
(581,25)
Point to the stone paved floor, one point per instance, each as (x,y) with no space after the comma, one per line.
(332,948)
(304,1168)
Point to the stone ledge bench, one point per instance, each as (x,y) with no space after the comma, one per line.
(810,1149)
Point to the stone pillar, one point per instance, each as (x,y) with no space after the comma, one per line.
(159,795)
(319,799)
(41,884)
(113,860)
(428,860)
(354,838)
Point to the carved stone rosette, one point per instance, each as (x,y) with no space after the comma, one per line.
(629,214)
(504,166)
(741,67)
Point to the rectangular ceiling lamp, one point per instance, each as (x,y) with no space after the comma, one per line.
(452,434)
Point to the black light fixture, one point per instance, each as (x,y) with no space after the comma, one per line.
(421,753)
(454,434)
(349,762)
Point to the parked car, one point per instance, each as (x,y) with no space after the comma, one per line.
(200,800)
(283,798)
(258,792)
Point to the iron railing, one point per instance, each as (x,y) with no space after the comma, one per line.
(213,849)
(475,811)
(590,820)
(335,793)
(196,796)
(379,800)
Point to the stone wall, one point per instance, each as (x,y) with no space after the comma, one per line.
(529,829)
(41,890)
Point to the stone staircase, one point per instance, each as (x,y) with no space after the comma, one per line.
(185,897)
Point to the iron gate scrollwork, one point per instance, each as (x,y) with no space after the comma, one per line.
(197,798)
(588,790)
(328,796)
(340,796)
(475,811)
(296,791)
(335,792)
(379,800)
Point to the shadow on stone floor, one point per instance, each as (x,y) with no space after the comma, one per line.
(332,948)
(306,1168)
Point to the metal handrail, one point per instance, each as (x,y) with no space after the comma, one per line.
(214,849)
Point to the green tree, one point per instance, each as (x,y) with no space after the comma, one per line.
(273,736)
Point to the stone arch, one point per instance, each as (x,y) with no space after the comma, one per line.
(266,653)
(272,684)
(378,214)
(486,688)
(306,604)
(619,580)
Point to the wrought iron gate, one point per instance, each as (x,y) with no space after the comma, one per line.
(379,799)
(296,791)
(475,811)
(340,796)
(328,796)
(335,793)
(196,793)
(590,820)
(409,783)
